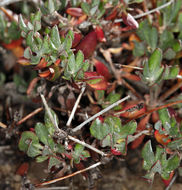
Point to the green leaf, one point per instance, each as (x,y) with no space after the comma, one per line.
(48,123)
(107,141)
(148,156)
(166,39)
(159,152)
(155,60)
(34,149)
(99,130)
(22,24)
(67,42)
(175,144)
(53,161)
(122,146)
(128,129)
(26,138)
(139,49)
(41,158)
(169,54)
(27,53)
(55,38)
(85,7)
(165,118)
(42,133)
(114,124)
(152,69)
(172,163)
(79,153)
(171,72)
(59,148)
(148,33)
(79,59)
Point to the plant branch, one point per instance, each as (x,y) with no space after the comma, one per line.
(29,116)
(149,12)
(75,106)
(170,91)
(70,175)
(155,109)
(171,182)
(3,125)
(100,113)
(132,138)
(59,131)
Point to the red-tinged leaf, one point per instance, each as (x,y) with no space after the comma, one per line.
(112,15)
(55,72)
(73,11)
(161,138)
(32,85)
(129,20)
(100,34)
(133,110)
(95,81)
(23,169)
(80,19)
(155,117)
(102,69)
(13,44)
(167,181)
(57,62)
(45,74)
(77,38)
(23,61)
(101,119)
(140,127)
(135,144)
(115,152)
(41,65)
(131,76)
(88,44)
(132,38)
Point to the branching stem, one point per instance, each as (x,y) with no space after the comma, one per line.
(100,113)
(75,106)
(70,175)
(53,120)
(149,12)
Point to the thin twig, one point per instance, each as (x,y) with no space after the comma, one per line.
(100,113)
(171,182)
(87,145)
(149,12)
(53,188)
(170,91)
(3,125)
(60,131)
(29,116)
(75,106)
(132,138)
(70,175)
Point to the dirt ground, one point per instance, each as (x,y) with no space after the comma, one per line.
(123,174)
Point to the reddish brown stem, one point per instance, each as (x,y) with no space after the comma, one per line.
(155,109)
(170,91)
(68,176)
(132,89)
(29,116)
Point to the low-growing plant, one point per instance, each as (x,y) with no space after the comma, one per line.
(60,41)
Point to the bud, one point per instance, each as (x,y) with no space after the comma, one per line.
(129,20)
